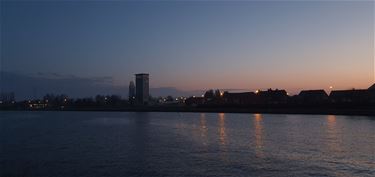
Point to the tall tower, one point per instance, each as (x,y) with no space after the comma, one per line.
(142,88)
(131,92)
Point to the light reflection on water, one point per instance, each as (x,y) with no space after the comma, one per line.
(258,135)
(185,144)
(203,128)
(222,133)
(333,138)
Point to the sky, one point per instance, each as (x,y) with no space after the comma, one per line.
(247,45)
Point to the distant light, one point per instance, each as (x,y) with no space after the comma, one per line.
(330,87)
(176,99)
(221,93)
(193,96)
(256,91)
(202,95)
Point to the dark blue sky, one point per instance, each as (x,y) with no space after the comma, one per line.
(194,45)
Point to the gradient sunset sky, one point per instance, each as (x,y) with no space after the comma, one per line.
(195,45)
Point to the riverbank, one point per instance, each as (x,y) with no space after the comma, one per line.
(315,111)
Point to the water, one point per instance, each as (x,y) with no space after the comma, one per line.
(185,144)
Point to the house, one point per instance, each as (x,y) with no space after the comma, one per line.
(314,97)
(361,96)
(195,101)
(272,97)
(243,98)
(7,97)
(372,93)
(372,88)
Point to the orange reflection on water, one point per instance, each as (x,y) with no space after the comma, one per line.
(331,120)
(222,133)
(258,135)
(222,138)
(333,140)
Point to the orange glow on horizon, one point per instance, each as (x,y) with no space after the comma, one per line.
(290,84)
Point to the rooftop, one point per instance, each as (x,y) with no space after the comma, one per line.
(372,87)
(141,74)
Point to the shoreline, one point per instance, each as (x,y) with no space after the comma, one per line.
(306,111)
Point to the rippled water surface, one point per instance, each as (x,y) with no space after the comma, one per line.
(185,144)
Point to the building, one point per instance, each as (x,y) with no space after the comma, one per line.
(372,94)
(142,88)
(371,91)
(131,92)
(195,101)
(244,98)
(272,97)
(357,97)
(313,97)
(7,97)
(372,87)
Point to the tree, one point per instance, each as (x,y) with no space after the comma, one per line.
(169,98)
